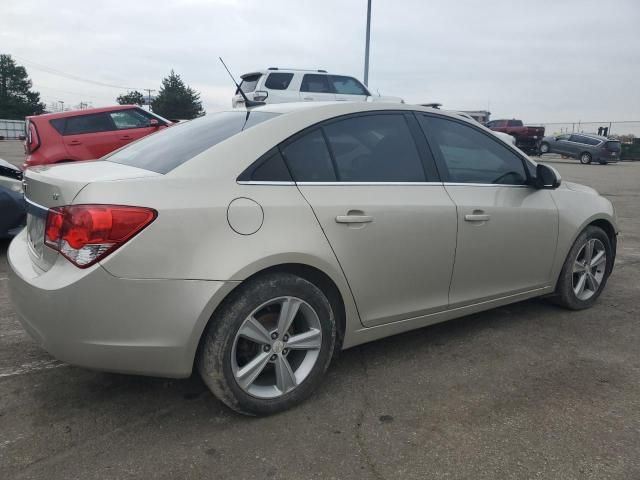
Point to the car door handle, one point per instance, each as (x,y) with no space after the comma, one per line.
(307,98)
(75,142)
(125,137)
(354,219)
(477,217)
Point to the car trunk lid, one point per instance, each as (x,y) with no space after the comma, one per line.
(49,186)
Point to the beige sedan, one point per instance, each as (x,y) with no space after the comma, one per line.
(254,245)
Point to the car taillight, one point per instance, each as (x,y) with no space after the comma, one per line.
(32,142)
(85,234)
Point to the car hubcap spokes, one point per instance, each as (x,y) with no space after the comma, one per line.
(276,347)
(589,268)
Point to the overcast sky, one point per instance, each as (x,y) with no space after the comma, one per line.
(539,60)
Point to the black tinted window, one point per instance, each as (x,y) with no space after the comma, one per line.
(308,159)
(591,141)
(171,147)
(124,119)
(58,124)
(249,83)
(515,123)
(98,122)
(374,148)
(613,146)
(347,85)
(471,156)
(278,81)
(273,169)
(315,83)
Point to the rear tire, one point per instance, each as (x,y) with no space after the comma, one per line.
(544,148)
(585,158)
(585,271)
(251,328)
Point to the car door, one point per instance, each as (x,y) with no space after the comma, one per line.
(131,124)
(88,137)
(561,145)
(389,221)
(507,230)
(348,89)
(280,88)
(315,87)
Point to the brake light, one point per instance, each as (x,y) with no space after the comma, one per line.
(85,234)
(32,142)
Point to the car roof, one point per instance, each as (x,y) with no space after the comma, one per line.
(590,135)
(339,107)
(283,70)
(86,111)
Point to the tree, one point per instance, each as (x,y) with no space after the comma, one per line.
(17,100)
(176,100)
(131,98)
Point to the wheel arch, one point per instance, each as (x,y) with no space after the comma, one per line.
(313,274)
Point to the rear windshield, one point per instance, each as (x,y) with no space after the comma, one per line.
(612,146)
(249,82)
(173,146)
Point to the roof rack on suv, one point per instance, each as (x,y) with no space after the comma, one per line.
(296,69)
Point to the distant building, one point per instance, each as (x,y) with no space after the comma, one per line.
(481,116)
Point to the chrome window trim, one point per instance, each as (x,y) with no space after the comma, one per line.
(462,184)
(365,183)
(35,208)
(263,182)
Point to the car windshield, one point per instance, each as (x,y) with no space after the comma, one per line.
(170,148)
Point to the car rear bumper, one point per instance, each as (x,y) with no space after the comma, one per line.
(92,319)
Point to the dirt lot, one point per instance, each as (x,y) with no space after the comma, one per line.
(524,391)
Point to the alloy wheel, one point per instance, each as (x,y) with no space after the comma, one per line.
(276,347)
(589,268)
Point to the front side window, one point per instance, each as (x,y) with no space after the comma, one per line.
(97,122)
(171,147)
(374,148)
(515,123)
(470,156)
(315,83)
(563,137)
(347,85)
(124,119)
(308,158)
(278,81)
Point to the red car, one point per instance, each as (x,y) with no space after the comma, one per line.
(86,134)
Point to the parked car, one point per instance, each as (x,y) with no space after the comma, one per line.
(255,244)
(527,138)
(505,137)
(86,134)
(12,209)
(277,85)
(583,146)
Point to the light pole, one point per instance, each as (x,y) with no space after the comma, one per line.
(366,48)
(61,102)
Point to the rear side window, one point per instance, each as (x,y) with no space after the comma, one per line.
(171,147)
(347,85)
(374,148)
(133,118)
(470,156)
(591,141)
(249,82)
(576,138)
(278,81)
(308,158)
(58,124)
(315,83)
(272,169)
(613,146)
(97,122)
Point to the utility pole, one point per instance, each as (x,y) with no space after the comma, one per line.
(366,48)
(149,90)
(61,102)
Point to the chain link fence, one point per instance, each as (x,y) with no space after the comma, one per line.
(11,129)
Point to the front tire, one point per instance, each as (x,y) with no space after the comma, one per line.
(544,148)
(585,158)
(586,270)
(268,346)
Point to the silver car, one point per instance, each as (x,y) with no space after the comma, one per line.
(253,245)
(583,146)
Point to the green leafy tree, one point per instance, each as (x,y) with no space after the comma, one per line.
(131,98)
(176,100)
(17,100)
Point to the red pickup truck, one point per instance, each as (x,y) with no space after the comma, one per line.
(527,138)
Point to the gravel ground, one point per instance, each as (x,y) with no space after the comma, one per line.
(524,391)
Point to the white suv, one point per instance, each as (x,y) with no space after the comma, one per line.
(278,85)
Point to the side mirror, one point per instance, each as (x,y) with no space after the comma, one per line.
(547,177)
(154,123)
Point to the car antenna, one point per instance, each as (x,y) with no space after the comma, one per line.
(247,103)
